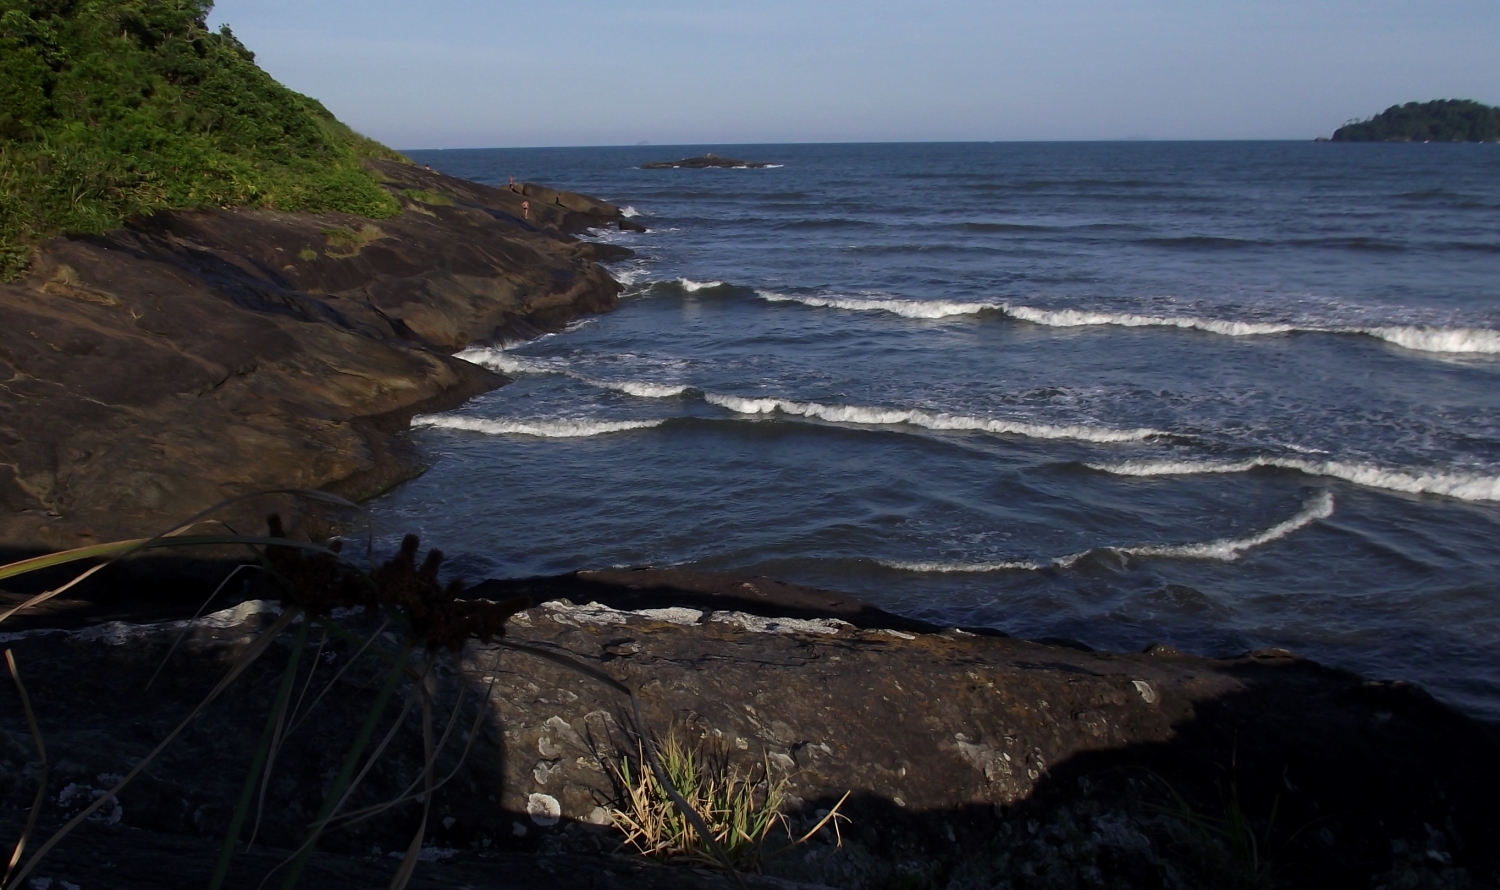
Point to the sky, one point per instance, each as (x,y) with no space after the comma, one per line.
(498,73)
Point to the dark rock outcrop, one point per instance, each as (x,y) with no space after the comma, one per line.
(972,761)
(189,357)
(701,162)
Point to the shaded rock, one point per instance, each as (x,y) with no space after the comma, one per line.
(972,761)
(190,357)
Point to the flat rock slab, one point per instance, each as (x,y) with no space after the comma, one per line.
(969,760)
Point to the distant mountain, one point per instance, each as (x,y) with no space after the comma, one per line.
(1445,120)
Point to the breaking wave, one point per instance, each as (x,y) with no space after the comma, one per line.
(903,308)
(855,414)
(1230,549)
(1464,486)
(506,363)
(547,429)
(638,388)
(1221,550)
(1425,339)
(1073,318)
(1421,338)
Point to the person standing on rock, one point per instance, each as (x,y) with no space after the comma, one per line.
(526,209)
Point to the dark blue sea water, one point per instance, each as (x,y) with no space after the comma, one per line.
(1216,395)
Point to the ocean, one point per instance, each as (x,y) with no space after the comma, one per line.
(1221,396)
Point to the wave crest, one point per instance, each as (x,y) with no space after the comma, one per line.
(547,429)
(903,308)
(1222,550)
(1464,486)
(1420,338)
(864,416)
(1072,318)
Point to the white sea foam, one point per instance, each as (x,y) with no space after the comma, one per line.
(1222,550)
(506,363)
(904,308)
(965,568)
(639,388)
(629,212)
(1230,549)
(1464,486)
(693,287)
(1471,341)
(855,414)
(628,277)
(549,429)
(1073,318)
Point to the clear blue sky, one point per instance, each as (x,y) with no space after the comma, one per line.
(481,73)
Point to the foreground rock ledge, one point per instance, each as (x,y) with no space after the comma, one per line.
(191,357)
(973,760)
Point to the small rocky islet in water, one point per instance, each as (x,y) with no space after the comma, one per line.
(702,162)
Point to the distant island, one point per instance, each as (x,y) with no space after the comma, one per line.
(702,161)
(1445,120)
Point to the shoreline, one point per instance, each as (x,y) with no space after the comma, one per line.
(191,357)
(971,760)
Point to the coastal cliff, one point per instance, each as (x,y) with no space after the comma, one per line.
(186,357)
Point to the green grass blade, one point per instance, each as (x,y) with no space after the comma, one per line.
(247,794)
(346,772)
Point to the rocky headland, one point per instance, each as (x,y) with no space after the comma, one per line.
(191,356)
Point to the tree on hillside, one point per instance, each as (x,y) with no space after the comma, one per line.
(116,108)
(1445,120)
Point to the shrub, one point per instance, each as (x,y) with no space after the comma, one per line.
(118,108)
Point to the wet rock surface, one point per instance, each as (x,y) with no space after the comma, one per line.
(972,761)
(190,357)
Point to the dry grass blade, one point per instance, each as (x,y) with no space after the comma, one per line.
(41,750)
(327,687)
(655,762)
(740,810)
(331,806)
(116,549)
(248,657)
(354,817)
(423,778)
(833,816)
(414,849)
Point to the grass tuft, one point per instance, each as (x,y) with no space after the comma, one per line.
(742,811)
(344,242)
(424,197)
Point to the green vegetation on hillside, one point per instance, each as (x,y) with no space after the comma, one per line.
(115,108)
(1446,120)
